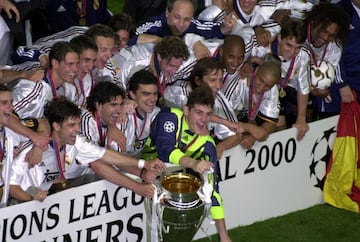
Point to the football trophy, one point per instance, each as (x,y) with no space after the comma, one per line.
(179,206)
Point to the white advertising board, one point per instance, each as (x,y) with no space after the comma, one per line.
(276,177)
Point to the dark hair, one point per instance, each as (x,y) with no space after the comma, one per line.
(202,68)
(202,96)
(59,51)
(294,28)
(60,109)
(102,30)
(103,92)
(83,42)
(325,14)
(143,77)
(122,21)
(4,88)
(171,47)
(170,4)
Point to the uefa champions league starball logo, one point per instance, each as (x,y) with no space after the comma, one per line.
(320,156)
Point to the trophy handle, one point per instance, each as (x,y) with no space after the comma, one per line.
(206,190)
(156,214)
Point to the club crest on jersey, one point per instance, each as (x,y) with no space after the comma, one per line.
(169,127)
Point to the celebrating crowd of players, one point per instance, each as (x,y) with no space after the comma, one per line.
(91,102)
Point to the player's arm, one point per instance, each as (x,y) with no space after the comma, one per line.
(19,194)
(300,124)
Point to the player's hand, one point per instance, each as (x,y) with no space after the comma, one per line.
(11,9)
(247,142)
(145,190)
(319,92)
(263,36)
(228,24)
(281,16)
(201,166)
(155,165)
(40,195)
(41,140)
(114,134)
(245,70)
(302,128)
(346,94)
(34,156)
(200,50)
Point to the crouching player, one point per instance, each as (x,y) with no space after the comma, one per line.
(182,137)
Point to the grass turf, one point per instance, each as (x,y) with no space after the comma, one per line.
(320,223)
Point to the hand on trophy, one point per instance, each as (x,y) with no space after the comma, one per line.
(152,169)
(202,166)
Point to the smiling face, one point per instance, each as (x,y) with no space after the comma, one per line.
(232,57)
(213,80)
(87,62)
(109,112)
(169,67)
(179,18)
(66,70)
(6,107)
(322,36)
(145,97)
(66,132)
(247,5)
(288,47)
(198,118)
(263,81)
(105,46)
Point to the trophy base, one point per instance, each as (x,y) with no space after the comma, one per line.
(181,225)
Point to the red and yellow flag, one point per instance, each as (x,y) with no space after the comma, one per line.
(342,184)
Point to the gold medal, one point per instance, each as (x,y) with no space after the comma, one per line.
(317,72)
(136,145)
(82,21)
(282,92)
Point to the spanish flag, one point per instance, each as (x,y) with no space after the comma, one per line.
(342,184)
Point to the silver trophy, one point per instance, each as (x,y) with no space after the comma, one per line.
(178,208)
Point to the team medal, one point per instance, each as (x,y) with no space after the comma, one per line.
(282,92)
(317,72)
(82,21)
(63,184)
(136,145)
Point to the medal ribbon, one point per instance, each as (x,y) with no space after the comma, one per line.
(99,127)
(284,82)
(253,111)
(52,85)
(2,144)
(136,126)
(161,86)
(82,91)
(61,165)
(184,149)
(313,55)
(83,9)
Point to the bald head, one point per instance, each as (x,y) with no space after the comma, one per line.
(233,40)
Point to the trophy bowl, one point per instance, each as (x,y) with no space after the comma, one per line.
(182,211)
(181,187)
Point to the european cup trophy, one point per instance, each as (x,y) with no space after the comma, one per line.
(179,206)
